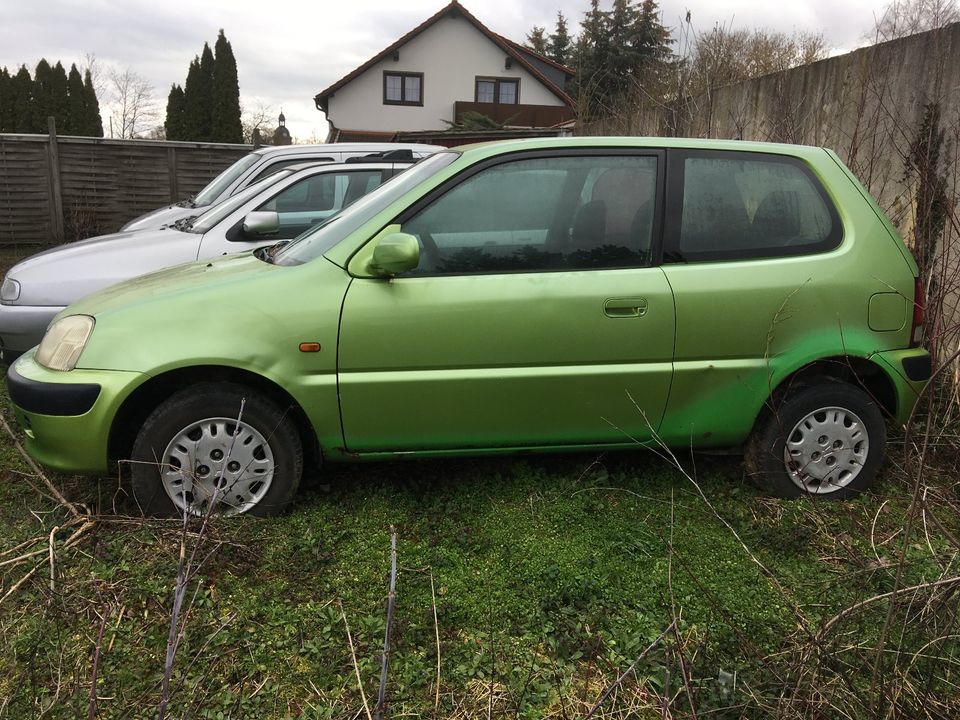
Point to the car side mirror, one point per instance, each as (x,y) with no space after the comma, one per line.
(261,223)
(395,253)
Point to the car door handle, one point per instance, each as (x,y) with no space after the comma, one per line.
(625,307)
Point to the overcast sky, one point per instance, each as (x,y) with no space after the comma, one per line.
(288,51)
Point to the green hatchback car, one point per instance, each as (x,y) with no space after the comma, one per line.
(545,295)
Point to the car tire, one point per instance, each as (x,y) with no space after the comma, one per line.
(824,440)
(257,471)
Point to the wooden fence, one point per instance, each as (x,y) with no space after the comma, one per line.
(54,189)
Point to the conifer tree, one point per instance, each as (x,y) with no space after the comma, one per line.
(42,104)
(6,106)
(21,101)
(59,100)
(174,124)
(75,121)
(205,96)
(559,44)
(226,126)
(192,102)
(93,123)
(537,40)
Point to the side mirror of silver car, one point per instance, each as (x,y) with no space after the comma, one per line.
(261,223)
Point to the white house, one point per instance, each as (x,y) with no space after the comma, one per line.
(446,66)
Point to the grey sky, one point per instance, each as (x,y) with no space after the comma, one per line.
(288,51)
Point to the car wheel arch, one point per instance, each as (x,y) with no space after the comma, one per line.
(137,406)
(855,370)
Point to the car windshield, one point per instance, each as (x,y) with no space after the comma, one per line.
(317,241)
(221,182)
(219,211)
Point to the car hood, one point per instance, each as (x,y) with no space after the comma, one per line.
(162,216)
(203,276)
(232,310)
(64,274)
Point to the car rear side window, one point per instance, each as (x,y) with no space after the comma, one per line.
(547,213)
(734,206)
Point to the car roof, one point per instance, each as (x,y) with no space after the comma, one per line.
(479,150)
(324,167)
(281,150)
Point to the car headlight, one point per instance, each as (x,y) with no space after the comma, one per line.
(10,290)
(64,341)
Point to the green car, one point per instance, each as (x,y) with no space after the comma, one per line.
(544,295)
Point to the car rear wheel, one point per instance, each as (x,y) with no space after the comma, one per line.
(198,449)
(825,440)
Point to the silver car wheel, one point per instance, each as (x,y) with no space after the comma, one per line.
(826,450)
(217,460)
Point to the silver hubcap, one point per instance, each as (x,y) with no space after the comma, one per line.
(826,450)
(217,460)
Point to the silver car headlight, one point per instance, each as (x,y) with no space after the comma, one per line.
(64,341)
(10,290)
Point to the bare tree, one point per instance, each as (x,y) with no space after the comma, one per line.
(908,17)
(133,108)
(257,115)
(725,55)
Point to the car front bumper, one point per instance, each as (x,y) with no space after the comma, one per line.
(67,416)
(22,326)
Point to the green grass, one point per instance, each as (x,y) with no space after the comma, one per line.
(551,574)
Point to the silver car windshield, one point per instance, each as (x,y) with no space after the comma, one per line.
(221,182)
(317,241)
(219,211)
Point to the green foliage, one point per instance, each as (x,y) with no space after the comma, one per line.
(6,102)
(537,40)
(473,120)
(21,99)
(620,53)
(175,124)
(76,120)
(560,42)
(925,165)
(93,124)
(26,103)
(209,110)
(226,94)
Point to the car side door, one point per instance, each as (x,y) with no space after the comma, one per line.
(536,317)
(753,251)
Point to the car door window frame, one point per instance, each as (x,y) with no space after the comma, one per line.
(431,197)
(673,216)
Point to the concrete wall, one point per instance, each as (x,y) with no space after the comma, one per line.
(451,53)
(866,105)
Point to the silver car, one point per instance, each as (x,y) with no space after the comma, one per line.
(279,207)
(261,163)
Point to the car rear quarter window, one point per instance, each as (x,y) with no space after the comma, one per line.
(730,206)
(540,214)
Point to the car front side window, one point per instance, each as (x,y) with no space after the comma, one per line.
(541,214)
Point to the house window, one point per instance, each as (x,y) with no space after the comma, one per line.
(402,88)
(493,90)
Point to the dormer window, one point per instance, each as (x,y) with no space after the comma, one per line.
(402,88)
(497,90)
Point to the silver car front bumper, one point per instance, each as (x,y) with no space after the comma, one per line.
(22,327)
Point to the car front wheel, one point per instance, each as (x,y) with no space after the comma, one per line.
(826,440)
(197,450)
